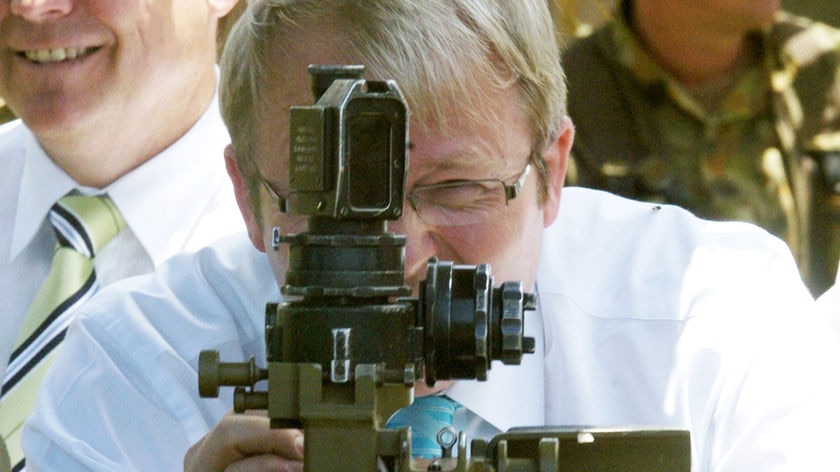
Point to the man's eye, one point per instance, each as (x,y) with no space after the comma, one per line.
(460,196)
(463,190)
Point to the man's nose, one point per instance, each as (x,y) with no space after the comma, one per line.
(420,243)
(37,11)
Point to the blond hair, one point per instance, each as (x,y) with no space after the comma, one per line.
(436,50)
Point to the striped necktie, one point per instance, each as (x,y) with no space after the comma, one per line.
(4,457)
(83,225)
(426,416)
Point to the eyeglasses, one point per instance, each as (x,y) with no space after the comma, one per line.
(455,203)
(464,202)
(282,202)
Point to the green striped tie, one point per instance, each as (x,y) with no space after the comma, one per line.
(4,457)
(83,225)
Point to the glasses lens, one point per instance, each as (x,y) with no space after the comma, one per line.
(459,203)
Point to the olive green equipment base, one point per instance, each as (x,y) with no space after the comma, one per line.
(343,428)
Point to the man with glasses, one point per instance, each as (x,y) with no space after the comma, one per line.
(646,314)
(460,202)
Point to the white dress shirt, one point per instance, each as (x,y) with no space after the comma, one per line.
(648,316)
(829,304)
(180,200)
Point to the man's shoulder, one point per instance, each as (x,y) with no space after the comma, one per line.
(224,284)
(648,256)
(228,264)
(605,209)
(618,221)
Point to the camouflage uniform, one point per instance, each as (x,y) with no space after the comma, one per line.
(769,153)
(5,113)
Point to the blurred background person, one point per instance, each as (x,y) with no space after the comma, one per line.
(117,154)
(730,108)
(5,113)
(578,18)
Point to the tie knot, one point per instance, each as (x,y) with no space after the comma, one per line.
(85,223)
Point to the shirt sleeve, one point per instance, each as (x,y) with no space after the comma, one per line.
(100,410)
(123,391)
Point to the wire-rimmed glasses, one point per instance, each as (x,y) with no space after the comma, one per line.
(464,202)
(454,203)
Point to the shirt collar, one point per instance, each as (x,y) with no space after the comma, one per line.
(42,184)
(171,191)
(163,199)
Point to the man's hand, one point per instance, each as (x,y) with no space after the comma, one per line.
(246,443)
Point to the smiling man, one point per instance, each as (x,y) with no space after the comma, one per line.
(647,315)
(115,99)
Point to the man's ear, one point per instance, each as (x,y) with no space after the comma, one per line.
(242,193)
(220,8)
(556,160)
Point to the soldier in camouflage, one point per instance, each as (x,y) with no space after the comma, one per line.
(5,113)
(728,108)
